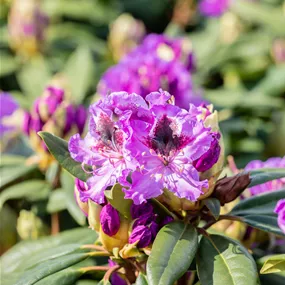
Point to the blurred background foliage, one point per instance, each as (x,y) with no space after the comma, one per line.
(240,69)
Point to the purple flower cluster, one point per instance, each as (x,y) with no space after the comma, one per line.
(146,146)
(159,62)
(53,113)
(214,8)
(274,162)
(280,210)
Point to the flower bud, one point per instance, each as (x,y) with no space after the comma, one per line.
(94,211)
(142,234)
(109,220)
(27,25)
(143,209)
(125,34)
(80,186)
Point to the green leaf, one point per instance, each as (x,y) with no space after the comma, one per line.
(11,172)
(57,201)
(59,149)
(263,204)
(260,176)
(272,279)
(49,267)
(18,255)
(172,253)
(104,282)
(263,222)
(33,77)
(141,280)
(221,260)
(8,64)
(31,189)
(214,206)
(79,70)
(115,196)
(67,182)
(274,264)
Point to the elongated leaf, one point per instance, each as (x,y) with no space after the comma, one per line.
(221,260)
(141,280)
(59,149)
(67,276)
(262,204)
(172,253)
(16,256)
(49,267)
(80,72)
(11,172)
(265,223)
(274,264)
(274,279)
(31,189)
(116,198)
(67,182)
(260,176)
(57,201)
(214,206)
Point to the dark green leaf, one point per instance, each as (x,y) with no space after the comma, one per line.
(262,204)
(274,264)
(79,70)
(214,206)
(67,182)
(141,280)
(115,196)
(59,149)
(16,256)
(49,267)
(221,260)
(31,189)
(260,176)
(265,223)
(172,253)
(272,279)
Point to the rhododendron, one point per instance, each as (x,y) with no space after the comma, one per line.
(280,210)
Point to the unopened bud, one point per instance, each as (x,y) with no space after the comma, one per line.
(109,220)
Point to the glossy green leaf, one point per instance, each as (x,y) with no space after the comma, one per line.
(264,223)
(57,201)
(33,77)
(141,280)
(260,176)
(59,149)
(79,71)
(221,260)
(214,206)
(274,264)
(67,276)
(115,196)
(31,189)
(172,253)
(67,182)
(16,256)
(49,267)
(262,204)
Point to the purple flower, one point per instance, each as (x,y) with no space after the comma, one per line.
(138,211)
(146,146)
(274,162)
(142,234)
(7,109)
(280,210)
(159,62)
(214,8)
(110,220)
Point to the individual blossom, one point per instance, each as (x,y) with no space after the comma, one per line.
(125,34)
(274,162)
(213,8)
(53,112)
(27,25)
(147,146)
(159,62)
(280,210)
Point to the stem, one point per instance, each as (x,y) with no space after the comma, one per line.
(94,268)
(110,271)
(99,253)
(55,224)
(93,246)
